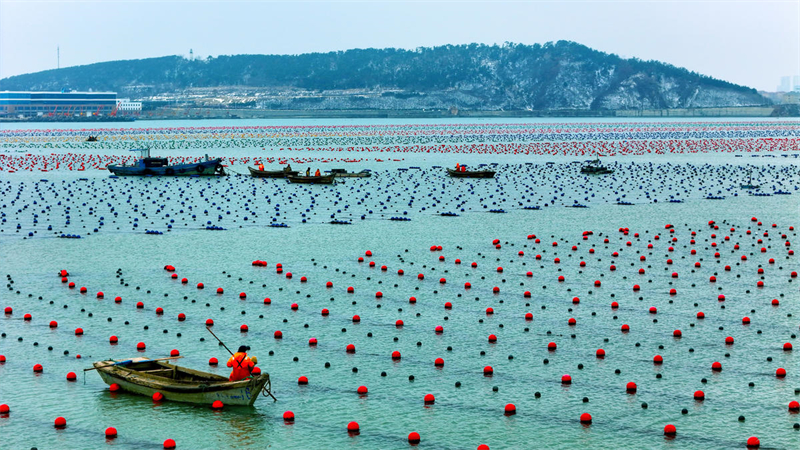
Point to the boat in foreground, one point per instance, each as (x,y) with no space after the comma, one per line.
(145,377)
(271,173)
(471,173)
(322,179)
(146,165)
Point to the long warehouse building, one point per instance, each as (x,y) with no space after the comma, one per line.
(69,103)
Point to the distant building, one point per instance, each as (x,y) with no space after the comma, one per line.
(791,98)
(796,83)
(786,84)
(125,105)
(70,103)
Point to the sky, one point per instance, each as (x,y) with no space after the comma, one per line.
(753,43)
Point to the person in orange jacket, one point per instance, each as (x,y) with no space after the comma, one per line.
(317,173)
(241,364)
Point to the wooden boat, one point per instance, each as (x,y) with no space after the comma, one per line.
(91,139)
(322,179)
(471,173)
(160,166)
(342,173)
(270,173)
(179,384)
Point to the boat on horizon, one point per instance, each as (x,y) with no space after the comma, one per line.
(147,165)
(271,173)
(343,173)
(595,168)
(312,179)
(471,173)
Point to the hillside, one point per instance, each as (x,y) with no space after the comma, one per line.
(554,76)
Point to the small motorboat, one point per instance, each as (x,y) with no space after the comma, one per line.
(342,173)
(146,377)
(471,173)
(270,173)
(160,166)
(91,139)
(322,179)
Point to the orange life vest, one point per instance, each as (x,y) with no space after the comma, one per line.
(316,174)
(242,366)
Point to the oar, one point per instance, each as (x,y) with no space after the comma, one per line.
(229,351)
(128,361)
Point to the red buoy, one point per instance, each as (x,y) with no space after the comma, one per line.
(586,418)
(780,372)
(753,442)
(60,422)
(729,340)
(630,387)
(140,346)
(552,346)
(670,430)
(677,333)
(492,338)
(158,396)
(429,399)
(510,409)
(220,290)
(353,427)
(71,376)
(174,352)
(170,444)
(37,368)
(217,404)
(350,348)
(302,381)
(600,353)
(244,328)
(787,347)
(439,362)
(566,379)
(4,409)
(488,371)
(716,366)
(278,334)
(794,406)
(625,328)
(114,387)
(658,359)
(209,322)
(362,390)
(699,395)
(213,361)
(396,355)
(413,438)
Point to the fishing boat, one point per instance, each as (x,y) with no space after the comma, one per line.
(147,165)
(594,168)
(471,173)
(750,184)
(270,173)
(342,173)
(322,179)
(91,139)
(146,377)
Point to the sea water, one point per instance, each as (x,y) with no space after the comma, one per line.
(121,260)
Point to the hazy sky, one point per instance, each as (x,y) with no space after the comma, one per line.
(752,43)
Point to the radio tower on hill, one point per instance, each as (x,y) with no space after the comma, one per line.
(191,55)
